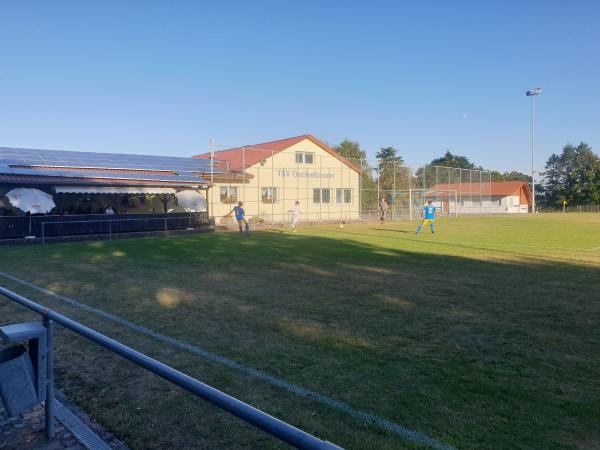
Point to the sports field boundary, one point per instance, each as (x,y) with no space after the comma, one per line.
(404,432)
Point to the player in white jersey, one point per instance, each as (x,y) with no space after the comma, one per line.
(295,216)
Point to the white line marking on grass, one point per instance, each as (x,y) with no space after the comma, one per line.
(406,433)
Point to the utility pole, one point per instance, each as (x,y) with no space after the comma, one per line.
(532,94)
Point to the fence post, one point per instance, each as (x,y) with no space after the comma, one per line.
(110,230)
(410,215)
(394,192)
(166,227)
(49,404)
(43,234)
(455,204)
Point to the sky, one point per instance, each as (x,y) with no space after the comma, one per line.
(165,77)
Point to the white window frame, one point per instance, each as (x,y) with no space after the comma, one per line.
(321,191)
(301,157)
(340,195)
(268,194)
(228,197)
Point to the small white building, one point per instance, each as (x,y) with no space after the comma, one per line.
(496,197)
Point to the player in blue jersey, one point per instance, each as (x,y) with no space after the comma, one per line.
(428,214)
(240,217)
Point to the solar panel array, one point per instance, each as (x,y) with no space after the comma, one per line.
(182,167)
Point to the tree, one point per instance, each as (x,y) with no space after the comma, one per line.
(516,176)
(510,176)
(390,169)
(574,176)
(389,154)
(368,185)
(351,150)
(450,160)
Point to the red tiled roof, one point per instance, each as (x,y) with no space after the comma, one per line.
(240,160)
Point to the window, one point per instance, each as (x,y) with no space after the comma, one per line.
(343,195)
(228,194)
(304,158)
(269,194)
(321,195)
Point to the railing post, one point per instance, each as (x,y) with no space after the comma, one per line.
(49,406)
(43,234)
(110,230)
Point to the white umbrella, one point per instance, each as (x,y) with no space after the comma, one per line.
(32,201)
(191,200)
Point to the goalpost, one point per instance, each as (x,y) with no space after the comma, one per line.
(445,200)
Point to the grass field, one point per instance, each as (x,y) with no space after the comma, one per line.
(484,335)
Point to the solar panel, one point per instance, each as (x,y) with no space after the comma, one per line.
(61,158)
(111,175)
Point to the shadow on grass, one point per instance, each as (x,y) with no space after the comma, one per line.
(400,333)
(392,231)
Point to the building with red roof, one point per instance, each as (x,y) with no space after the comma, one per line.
(270,177)
(495,197)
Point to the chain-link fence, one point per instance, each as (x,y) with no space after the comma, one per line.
(453,191)
(330,188)
(570,208)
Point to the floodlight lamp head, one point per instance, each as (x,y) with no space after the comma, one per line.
(536,91)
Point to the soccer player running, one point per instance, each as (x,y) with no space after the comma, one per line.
(428,214)
(295,215)
(383,208)
(240,217)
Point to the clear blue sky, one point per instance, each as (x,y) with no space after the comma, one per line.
(163,77)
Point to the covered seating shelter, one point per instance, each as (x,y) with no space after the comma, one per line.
(101,187)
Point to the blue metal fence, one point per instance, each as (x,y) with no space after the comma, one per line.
(271,425)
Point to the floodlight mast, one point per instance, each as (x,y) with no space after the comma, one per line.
(532,93)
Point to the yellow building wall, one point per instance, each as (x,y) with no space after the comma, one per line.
(294,181)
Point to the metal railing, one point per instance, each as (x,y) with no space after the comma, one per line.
(109,227)
(77,225)
(271,425)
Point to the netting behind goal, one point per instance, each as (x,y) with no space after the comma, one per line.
(411,202)
(454,191)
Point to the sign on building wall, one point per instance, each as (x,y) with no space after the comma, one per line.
(304,174)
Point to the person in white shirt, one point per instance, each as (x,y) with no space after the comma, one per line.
(295,215)
(109,210)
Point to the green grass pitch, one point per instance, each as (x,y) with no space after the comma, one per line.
(484,335)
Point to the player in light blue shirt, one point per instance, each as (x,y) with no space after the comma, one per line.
(428,214)
(240,217)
